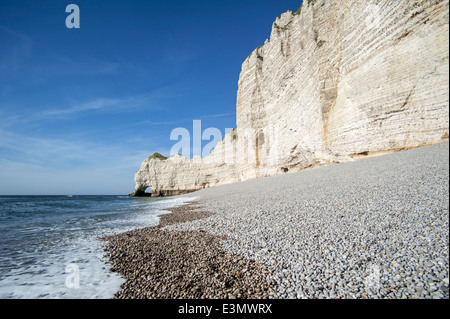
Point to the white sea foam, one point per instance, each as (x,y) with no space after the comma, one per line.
(48,277)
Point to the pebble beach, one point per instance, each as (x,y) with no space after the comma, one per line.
(376,228)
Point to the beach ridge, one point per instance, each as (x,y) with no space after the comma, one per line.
(164,264)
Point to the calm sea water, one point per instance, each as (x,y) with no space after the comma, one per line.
(50,247)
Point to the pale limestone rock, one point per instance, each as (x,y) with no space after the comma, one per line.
(340,80)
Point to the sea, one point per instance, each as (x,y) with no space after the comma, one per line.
(51,246)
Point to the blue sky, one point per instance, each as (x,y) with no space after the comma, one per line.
(80,109)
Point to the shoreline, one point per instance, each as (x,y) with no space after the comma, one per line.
(163,264)
(372,229)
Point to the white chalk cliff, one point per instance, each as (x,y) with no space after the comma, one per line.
(338,80)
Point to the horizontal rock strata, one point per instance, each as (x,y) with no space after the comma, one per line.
(337,81)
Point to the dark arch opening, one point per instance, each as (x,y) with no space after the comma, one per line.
(142,192)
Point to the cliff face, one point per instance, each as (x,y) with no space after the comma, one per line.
(341,79)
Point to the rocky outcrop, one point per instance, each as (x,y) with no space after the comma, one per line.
(338,80)
(178,175)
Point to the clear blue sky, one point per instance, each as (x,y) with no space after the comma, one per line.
(80,109)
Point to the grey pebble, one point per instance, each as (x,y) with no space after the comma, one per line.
(376,228)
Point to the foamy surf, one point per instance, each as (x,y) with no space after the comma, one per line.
(56,252)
